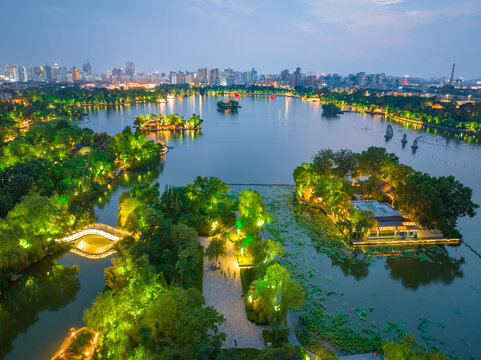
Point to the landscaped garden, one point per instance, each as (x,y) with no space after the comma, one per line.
(327,320)
(160,122)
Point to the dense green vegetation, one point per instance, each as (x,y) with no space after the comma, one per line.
(159,122)
(328,316)
(330,110)
(406,348)
(32,105)
(428,110)
(269,291)
(48,175)
(230,105)
(333,178)
(152,307)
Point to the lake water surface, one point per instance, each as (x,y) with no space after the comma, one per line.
(263,143)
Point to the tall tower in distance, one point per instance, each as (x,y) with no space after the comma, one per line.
(87,70)
(130,69)
(452,75)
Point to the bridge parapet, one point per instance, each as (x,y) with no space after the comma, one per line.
(103,230)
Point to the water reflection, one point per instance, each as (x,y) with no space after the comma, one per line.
(179,136)
(44,286)
(358,269)
(414,273)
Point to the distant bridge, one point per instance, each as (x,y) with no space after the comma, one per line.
(94,251)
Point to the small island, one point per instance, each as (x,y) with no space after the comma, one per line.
(160,122)
(230,105)
(330,110)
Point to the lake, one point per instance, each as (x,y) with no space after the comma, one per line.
(263,143)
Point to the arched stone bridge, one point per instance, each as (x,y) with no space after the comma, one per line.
(94,241)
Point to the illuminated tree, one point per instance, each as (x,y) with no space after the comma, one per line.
(207,193)
(216,250)
(275,294)
(407,349)
(253,214)
(305,177)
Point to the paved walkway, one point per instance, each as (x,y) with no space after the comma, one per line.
(224,294)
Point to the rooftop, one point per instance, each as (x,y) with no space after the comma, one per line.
(380,210)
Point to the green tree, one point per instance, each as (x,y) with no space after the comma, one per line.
(275,294)
(215,250)
(253,214)
(435,202)
(407,349)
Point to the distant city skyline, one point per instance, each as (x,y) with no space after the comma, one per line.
(395,37)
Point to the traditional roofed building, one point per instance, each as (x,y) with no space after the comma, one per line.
(389,222)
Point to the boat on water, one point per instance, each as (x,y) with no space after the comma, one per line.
(404,139)
(415,144)
(389,132)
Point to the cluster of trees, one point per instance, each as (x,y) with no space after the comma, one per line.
(333,178)
(330,110)
(48,175)
(160,121)
(230,105)
(36,105)
(406,348)
(466,116)
(169,223)
(33,105)
(152,307)
(271,292)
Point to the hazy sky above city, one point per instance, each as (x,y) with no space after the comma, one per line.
(416,37)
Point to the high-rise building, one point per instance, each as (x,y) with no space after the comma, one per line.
(228,72)
(22,73)
(285,75)
(202,75)
(11,71)
(87,70)
(360,79)
(75,74)
(130,69)
(253,75)
(214,76)
(38,74)
(48,75)
(177,78)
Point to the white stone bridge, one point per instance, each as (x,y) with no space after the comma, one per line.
(94,241)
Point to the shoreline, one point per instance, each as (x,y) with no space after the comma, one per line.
(398,119)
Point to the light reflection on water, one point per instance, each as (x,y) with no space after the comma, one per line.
(263,143)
